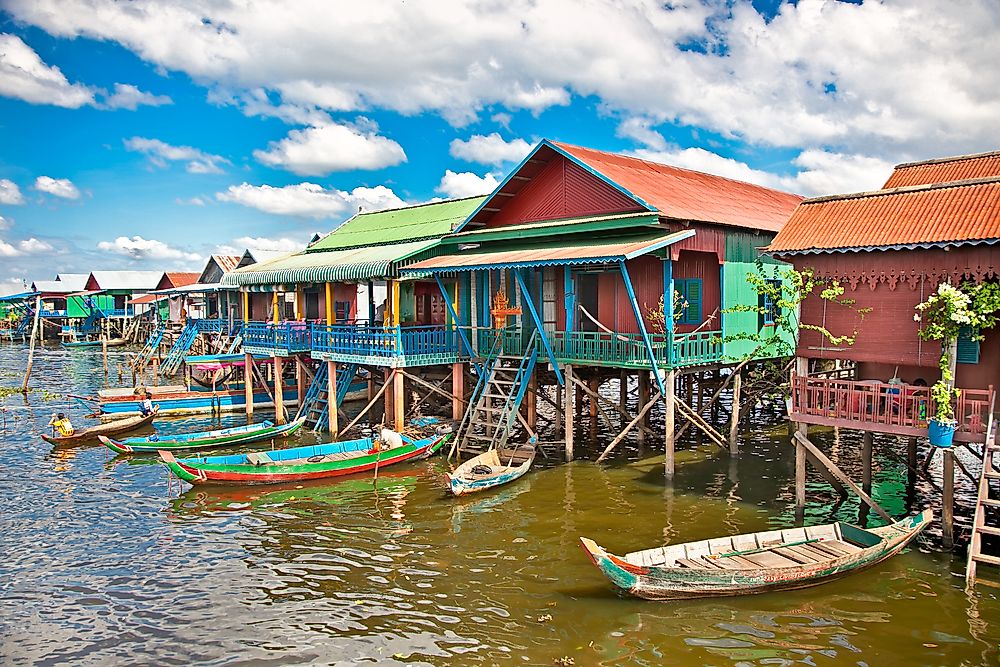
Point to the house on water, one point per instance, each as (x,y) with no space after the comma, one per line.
(934,221)
(340,305)
(561,270)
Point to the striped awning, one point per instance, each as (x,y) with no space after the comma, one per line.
(330,266)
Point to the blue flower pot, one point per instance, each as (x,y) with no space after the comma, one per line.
(941,434)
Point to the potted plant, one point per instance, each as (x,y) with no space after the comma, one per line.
(943,315)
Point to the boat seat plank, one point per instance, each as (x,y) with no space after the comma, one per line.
(694,564)
(769,559)
(840,545)
(732,563)
(710,562)
(259,459)
(834,552)
(792,554)
(819,554)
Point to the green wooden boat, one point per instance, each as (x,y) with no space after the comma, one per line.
(755,562)
(237,435)
(302,463)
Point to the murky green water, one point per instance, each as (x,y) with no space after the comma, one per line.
(102,561)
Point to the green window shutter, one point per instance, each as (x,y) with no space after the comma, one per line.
(968,349)
(693,296)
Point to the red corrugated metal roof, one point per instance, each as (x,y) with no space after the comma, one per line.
(692,195)
(542,254)
(962,211)
(180,279)
(944,170)
(146,298)
(227,262)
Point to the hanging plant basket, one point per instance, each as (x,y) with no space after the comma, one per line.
(942,433)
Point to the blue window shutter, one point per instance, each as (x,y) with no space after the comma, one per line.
(968,349)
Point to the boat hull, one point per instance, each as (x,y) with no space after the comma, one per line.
(108,428)
(197,402)
(672,583)
(461,482)
(203,471)
(220,438)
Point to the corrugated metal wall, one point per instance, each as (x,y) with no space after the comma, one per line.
(561,190)
(704,265)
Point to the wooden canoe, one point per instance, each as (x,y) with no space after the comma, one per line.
(116,427)
(237,435)
(302,463)
(754,562)
(491,469)
(114,342)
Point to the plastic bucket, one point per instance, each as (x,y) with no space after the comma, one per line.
(941,434)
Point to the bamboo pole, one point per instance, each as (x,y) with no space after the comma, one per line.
(368,407)
(734,422)
(621,436)
(31,345)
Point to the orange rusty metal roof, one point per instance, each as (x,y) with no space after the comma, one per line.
(945,170)
(691,195)
(953,213)
(227,262)
(180,278)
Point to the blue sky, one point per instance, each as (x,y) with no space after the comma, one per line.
(150,134)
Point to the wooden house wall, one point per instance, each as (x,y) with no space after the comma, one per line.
(704,265)
(562,189)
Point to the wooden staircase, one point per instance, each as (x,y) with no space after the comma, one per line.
(495,402)
(986,520)
(317,399)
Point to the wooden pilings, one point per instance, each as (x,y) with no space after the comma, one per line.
(248,384)
(802,443)
(734,417)
(279,391)
(948,498)
(331,397)
(458,391)
(570,410)
(669,431)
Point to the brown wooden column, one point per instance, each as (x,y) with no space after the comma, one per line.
(669,428)
(643,400)
(570,409)
(279,392)
(457,391)
(399,401)
(248,384)
(595,385)
(948,498)
(300,379)
(532,400)
(387,398)
(800,469)
(331,397)
(734,418)
(866,474)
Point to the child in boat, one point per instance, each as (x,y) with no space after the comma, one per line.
(62,424)
(146,406)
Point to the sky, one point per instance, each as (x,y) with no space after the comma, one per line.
(152,133)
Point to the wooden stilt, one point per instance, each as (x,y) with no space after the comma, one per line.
(331,397)
(300,378)
(579,403)
(457,391)
(832,467)
(802,431)
(398,401)
(248,384)
(531,398)
(388,418)
(948,499)
(734,417)
(669,385)
(570,409)
(621,436)
(560,408)
(31,348)
(623,393)
(643,400)
(279,392)
(866,473)
(594,385)
(911,462)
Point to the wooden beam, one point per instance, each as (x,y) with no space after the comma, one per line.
(734,416)
(587,390)
(700,423)
(331,397)
(279,392)
(948,494)
(832,467)
(669,435)
(800,467)
(621,436)
(378,394)
(568,412)
(601,399)
(457,391)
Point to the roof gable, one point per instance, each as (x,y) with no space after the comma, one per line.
(176,279)
(412,223)
(944,170)
(123,280)
(960,212)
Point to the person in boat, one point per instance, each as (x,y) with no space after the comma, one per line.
(61,423)
(146,405)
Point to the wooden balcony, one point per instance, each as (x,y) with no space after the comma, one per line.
(627,350)
(395,347)
(898,409)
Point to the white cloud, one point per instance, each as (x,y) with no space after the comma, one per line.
(317,151)
(193,201)
(282,244)
(489,149)
(5,223)
(9,193)
(639,129)
(33,246)
(25,76)
(160,153)
(310,200)
(7,250)
(129,97)
(893,78)
(11,285)
(139,248)
(466,184)
(57,187)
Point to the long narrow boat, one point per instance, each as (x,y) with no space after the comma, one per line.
(238,435)
(755,562)
(116,427)
(491,469)
(179,400)
(301,463)
(114,342)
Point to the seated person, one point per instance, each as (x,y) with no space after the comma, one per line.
(146,405)
(62,424)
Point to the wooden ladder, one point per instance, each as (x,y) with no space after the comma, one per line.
(980,524)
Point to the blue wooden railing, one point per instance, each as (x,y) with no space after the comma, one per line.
(380,342)
(286,337)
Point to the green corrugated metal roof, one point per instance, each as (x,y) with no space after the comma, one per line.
(402,224)
(346,265)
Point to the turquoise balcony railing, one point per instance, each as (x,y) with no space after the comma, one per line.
(389,346)
(282,338)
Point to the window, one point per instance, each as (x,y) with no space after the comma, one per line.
(688,301)
(769,309)
(341,311)
(968,347)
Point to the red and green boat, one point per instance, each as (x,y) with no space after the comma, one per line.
(303,463)
(238,435)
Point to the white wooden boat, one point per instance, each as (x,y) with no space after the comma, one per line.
(490,469)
